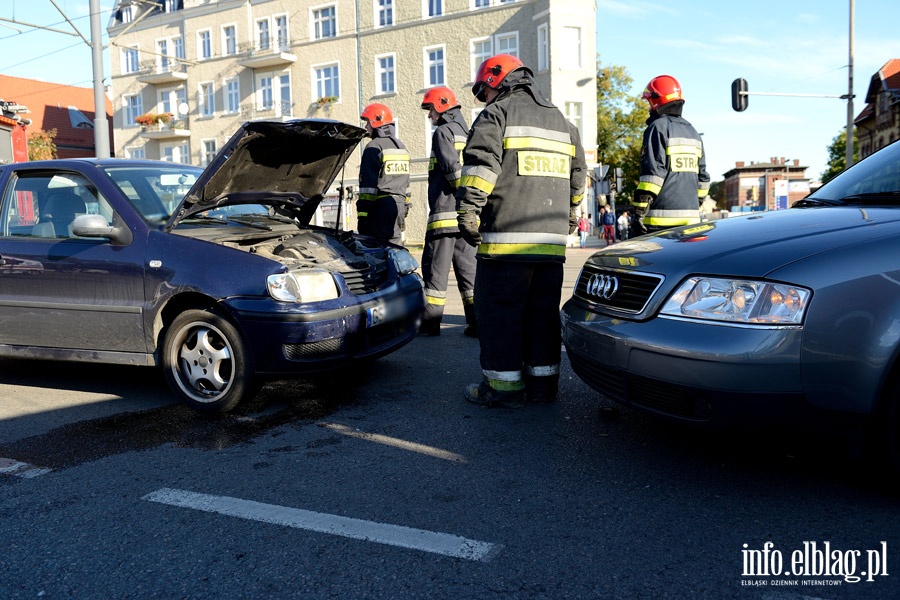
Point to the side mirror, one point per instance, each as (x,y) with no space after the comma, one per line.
(95,226)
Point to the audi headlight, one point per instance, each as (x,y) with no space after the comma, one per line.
(403,261)
(310,285)
(738,301)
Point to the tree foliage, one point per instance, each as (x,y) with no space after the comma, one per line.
(40,145)
(620,124)
(837,155)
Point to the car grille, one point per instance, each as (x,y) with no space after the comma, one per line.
(651,394)
(313,350)
(364,277)
(632,290)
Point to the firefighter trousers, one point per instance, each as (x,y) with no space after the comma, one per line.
(385,219)
(517,307)
(440,252)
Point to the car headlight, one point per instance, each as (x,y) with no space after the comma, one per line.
(310,285)
(738,301)
(403,261)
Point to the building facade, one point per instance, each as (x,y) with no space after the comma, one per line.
(769,185)
(879,122)
(187,73)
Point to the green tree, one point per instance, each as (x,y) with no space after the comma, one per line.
(620,125)
(40,145)
(837,155)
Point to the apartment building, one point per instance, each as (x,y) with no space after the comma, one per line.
(186,73)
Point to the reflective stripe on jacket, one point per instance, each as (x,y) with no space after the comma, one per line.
(444,172)
(673,169)
(523,169)
(383,170)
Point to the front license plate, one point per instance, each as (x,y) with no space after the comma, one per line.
(384,312)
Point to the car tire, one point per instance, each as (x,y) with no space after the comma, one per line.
(205,362)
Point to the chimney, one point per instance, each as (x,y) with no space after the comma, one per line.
(739,164)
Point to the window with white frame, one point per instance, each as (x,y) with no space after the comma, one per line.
(571,38)
(480,50)
(210,147)
(265,95)
(170,99)
(135,152)
(162,59)
(281,33)
(385,82)
(324,22)
(204,44)
(206,99)
(326,81)
(170,6)
(178,153)
(130,59)
(229,40)
(434,66)
(232,95)
(169,50)
(384,13)
(507,43)
(285,105)
(432,8)
(127,14)
(543,43)
(132,107)
(263,35)
(573,114)
(475,4)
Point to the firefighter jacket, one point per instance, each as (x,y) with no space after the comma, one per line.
(673,171)
(383,171)
(444,172)
(523,172)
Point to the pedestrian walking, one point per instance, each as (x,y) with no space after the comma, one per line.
(383,178)
(523,180)
(584,229)
(608,222)
(443,243)
(624,224)
(673,180)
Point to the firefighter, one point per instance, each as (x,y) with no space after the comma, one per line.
(443,243)
(383,178)
(673,179)
(523,180)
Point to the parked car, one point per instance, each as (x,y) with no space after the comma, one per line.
(215,274)
(774,317)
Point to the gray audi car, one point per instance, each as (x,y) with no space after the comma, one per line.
(774,317)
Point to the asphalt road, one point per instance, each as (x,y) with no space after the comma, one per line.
(384,483)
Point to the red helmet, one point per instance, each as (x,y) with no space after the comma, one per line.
(377,115)
(493,71)
(440,98)
(662,90)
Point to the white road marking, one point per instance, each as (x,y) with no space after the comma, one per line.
(9,466)
(396,442)
(370,531)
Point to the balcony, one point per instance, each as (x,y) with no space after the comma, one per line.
(173,130)
(273,56)
(161,74)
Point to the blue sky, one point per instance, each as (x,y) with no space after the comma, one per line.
(798,47)
(788,47)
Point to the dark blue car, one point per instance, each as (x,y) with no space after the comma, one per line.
(216,275)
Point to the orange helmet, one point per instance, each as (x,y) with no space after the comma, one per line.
(662,90)
(377,115)
(493,71)
(440,98)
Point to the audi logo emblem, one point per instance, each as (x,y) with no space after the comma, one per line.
(602,286)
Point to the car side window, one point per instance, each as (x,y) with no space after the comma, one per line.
(45,204)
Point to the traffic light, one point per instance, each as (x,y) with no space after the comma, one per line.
(739,98)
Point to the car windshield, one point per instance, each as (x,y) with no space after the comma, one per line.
(154,191)
(875,180)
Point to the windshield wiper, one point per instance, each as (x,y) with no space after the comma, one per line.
(807,202)
(871,198)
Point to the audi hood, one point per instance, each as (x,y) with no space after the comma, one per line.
(288,165)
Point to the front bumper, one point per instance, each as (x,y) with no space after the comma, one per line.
(685,370)
(284,341)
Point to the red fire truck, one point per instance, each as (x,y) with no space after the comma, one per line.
(13,144)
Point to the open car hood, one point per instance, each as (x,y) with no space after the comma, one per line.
(289,165)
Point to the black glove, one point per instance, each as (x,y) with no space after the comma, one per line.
(573,219)
(637,221)
(468,227)
(637,225)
